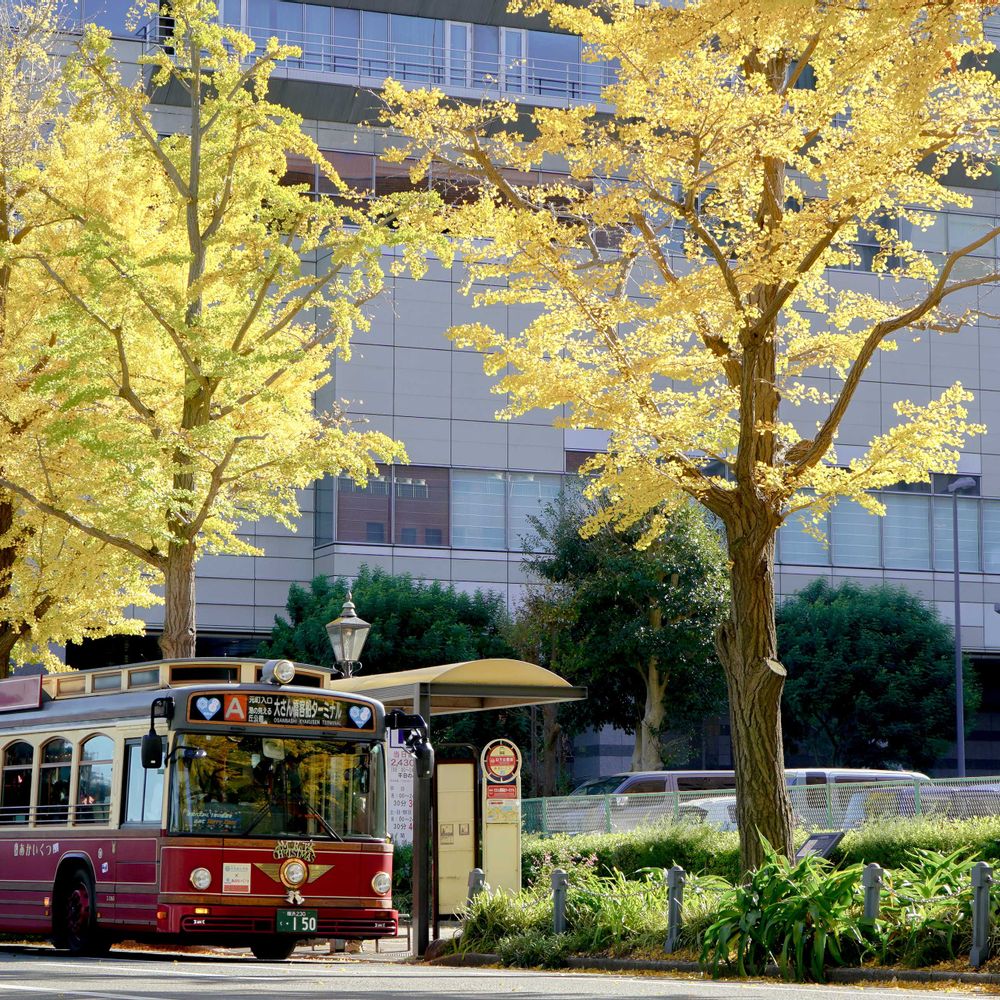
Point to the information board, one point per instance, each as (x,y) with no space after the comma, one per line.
(280,709)
(399,771)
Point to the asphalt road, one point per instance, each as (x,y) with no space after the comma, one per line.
(37,974)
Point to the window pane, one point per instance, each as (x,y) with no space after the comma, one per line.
(288,17)
(259,13)
(53,795)
(421,505)
(906,542)
(346,40)
(553,64)
(485,55)
(18,755)
(232,12)
(93,800)
(354,169)
(323,517)
(374,43)
(477,509)
(965,229)
(97,748)
(316,47)
(991,536)
(800,548)
(529,493)
(143,789)
(854,535)
(458,55)
(363,511)
(968,534)
(57,752)
(109,14)
(416,48)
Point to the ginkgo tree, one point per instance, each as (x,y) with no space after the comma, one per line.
(201,301)
(680,271)
(57,585)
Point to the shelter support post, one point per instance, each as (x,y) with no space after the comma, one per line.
(421,838)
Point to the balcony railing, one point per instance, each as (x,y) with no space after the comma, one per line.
(368,62)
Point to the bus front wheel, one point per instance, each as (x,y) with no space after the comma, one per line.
(76,919)
(273,949)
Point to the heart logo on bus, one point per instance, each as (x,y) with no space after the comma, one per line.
(360,715)
(208,706)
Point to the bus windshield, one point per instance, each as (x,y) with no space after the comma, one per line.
(259,786)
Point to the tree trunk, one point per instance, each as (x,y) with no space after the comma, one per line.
(747,647)
(8,639)
(178,637)
(9,632)
(550,749)
(647,755)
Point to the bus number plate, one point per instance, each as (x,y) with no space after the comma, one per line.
(297,921)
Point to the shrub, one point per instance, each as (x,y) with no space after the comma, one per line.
(803,915)
(402,877)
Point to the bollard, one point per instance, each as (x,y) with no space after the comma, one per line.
(477,883)
(982,879)
(871,882)
(675,903)
(560,881)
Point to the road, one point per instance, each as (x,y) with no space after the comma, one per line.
(39,974)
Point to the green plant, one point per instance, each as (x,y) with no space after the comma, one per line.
(402,877)
(539,950)
(802,915)
(493,916)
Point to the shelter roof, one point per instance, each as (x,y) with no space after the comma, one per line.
(471,686)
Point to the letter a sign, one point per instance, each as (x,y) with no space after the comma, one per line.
(236,708)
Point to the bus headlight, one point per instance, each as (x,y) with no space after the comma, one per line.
(201,879)
(382,883)
(293,873)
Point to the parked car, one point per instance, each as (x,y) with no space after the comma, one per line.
(639,782)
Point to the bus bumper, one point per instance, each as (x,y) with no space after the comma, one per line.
(233,921)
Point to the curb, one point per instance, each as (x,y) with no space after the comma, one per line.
(887,975)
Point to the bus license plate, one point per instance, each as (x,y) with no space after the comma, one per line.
(297,921)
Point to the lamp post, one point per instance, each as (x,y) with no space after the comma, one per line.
(954,488)
(347,636)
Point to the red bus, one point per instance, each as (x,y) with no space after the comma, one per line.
(228,802)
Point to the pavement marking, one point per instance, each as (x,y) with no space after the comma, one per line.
(109,966)
(62,991)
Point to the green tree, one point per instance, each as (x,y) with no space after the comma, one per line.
(642,620)
(871,677)
(414,624)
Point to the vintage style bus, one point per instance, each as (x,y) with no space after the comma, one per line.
(231,802)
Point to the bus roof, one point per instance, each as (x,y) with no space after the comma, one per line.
(128,692)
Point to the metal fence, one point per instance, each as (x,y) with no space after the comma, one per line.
(832,806)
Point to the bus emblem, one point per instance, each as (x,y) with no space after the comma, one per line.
(291,849)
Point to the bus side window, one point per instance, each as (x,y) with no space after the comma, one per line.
(93,795)
(15,792)
(816,796)
(53,791)
(143,797)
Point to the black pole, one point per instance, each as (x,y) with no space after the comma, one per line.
(421,839)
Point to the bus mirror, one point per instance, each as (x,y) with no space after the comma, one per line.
(425,761)
(152,751)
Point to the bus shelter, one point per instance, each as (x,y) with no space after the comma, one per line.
(451,689)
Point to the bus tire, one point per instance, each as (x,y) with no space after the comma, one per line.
(276,949)
(75,925)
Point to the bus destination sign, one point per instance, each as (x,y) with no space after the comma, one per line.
(280,709)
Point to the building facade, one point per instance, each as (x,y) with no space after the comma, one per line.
(458,513)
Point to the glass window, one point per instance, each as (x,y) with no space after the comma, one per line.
(316,788)
(346,40)
(53,779)
(553,64)
(906,541)
(529,493)
(459,36)
(363,511)
(93,798)
(966,229)
(232,12)
(421,511)
(288,18)
(485,55)
(991,536)
(323,516)
(354,169)
(854,535)
(477,510)
(110,14)
(417,52)
(143,788)
(374,43)
(259,13)
(798,547)
(15,793)
(316,47)
(299,170)
(513,59)
(391,178)
(968,534)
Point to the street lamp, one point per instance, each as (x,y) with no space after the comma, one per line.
(347,636)
(954,488)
